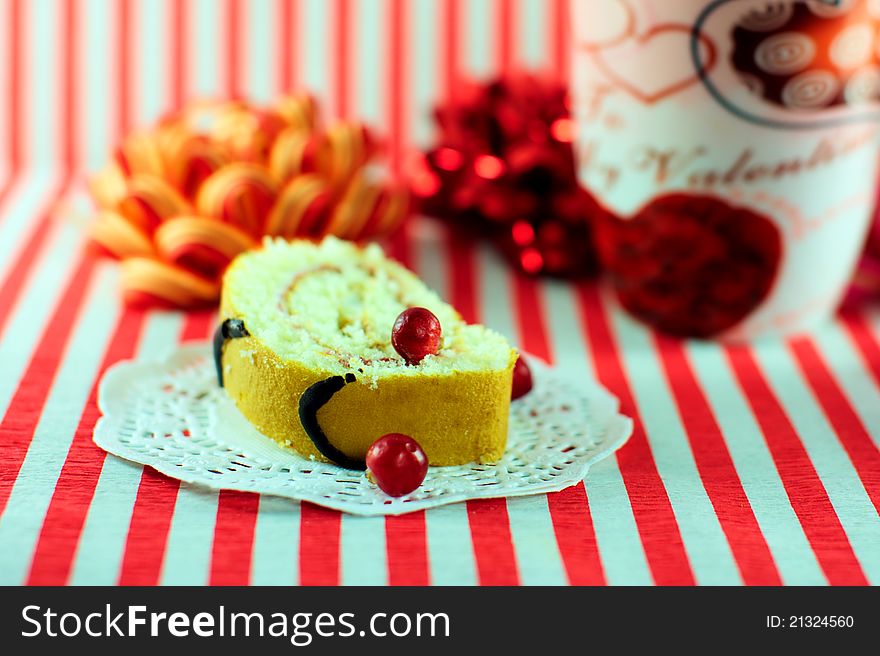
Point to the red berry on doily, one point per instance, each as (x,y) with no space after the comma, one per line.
(522,379)
(416,334)
(397,464)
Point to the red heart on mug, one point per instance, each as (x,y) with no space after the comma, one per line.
(690,265)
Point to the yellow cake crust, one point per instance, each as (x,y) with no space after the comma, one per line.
(457,418)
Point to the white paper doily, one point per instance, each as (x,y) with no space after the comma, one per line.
(171,415)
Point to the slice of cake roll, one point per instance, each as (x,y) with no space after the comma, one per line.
(304,348)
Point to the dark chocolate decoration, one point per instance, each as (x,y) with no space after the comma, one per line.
(229,329)
(312,400)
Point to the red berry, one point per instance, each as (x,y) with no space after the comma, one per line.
(522,379)
(397,464)
(416,333)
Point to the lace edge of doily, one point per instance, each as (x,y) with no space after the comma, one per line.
(618,429)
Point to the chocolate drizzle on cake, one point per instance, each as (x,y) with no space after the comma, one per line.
(312,400)
(229,329)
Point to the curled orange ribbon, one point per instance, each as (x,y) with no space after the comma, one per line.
(240,193)
(147,281)
(178,202)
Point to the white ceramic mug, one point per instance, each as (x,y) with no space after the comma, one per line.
(756,123)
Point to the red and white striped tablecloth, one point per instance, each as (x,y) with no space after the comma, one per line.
(755,465)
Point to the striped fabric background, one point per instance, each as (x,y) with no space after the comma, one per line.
(748,465)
